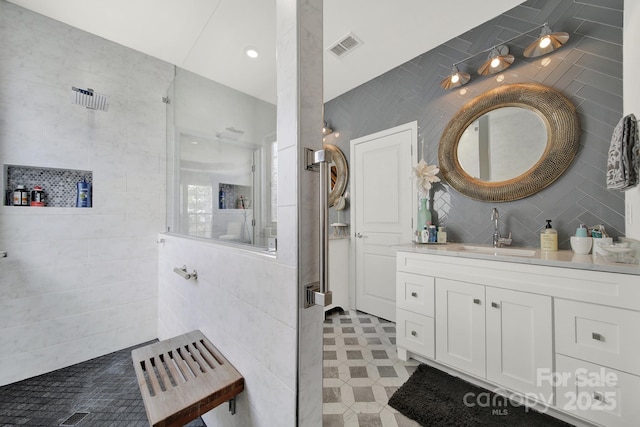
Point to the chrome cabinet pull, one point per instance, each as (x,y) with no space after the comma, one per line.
(596,336)
(414,333)
(495,305)
(598,396)
(414,294)
(476,300)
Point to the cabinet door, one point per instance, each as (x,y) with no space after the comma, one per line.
(460,325)
(599,394)
(414,292)
(519,342)
(415,333)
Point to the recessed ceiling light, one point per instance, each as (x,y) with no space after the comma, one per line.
(251,52)
(194,142)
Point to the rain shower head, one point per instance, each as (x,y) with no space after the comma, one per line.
(230,133)
(88,98)
(234,130)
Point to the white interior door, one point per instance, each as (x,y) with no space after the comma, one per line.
(383,202)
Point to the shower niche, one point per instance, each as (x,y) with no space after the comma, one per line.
(58,186)
(232,196)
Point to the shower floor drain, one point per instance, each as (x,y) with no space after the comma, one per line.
(74,419)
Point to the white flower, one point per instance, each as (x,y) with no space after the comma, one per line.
(425,174)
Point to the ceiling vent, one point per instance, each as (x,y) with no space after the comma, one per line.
(345,45)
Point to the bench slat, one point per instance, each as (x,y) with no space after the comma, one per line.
(191,396)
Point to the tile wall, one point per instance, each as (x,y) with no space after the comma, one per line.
(79,283)
(588,70)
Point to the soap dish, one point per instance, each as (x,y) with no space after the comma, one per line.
(620,252)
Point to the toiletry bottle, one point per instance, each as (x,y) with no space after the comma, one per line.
(20,196)
(37,196)
(425,235)
(83,196)
(442,235)
(221,199)
(433,234)
(582,231)
(549,238)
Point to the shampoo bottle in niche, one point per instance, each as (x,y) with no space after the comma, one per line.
(549,238)
(83,196)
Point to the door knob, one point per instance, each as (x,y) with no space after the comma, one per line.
(359,235)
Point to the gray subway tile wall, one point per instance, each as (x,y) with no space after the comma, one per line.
(588,70)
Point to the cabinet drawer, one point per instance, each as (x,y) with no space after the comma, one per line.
(601,395)
(603,335)
(414,292)
(415,333)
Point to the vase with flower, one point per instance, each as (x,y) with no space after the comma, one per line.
(424,175)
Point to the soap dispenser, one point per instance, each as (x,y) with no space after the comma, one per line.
(549,238)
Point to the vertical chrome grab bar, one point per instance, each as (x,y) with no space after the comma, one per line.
(318,293)
(323,157)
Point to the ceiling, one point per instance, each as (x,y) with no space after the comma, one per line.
(209,37)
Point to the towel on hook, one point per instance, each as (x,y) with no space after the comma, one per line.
(624,155)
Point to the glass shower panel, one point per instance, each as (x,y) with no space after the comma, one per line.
(222,161)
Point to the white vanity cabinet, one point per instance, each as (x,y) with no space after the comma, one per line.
(601,345)
(545,332)
(519,340)
(502,335)
(460,325)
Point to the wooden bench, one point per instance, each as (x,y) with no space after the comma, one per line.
(182,378)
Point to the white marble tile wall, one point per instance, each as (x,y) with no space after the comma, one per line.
(79,283)
(245,303)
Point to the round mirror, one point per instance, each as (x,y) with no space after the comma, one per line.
(339,173)
(487,150)
(509,143)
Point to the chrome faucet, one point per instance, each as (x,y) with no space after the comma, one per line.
(497,240)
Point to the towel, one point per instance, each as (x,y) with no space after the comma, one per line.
(624,155)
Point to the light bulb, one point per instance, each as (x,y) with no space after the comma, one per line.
(251,53)
(455,78)
(495,62)
(544,42)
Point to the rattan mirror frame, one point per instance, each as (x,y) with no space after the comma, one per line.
(563,128)
(342,173)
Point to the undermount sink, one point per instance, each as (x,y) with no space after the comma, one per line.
(499,251)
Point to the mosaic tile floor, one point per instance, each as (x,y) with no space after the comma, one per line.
(362,371)
(104,388)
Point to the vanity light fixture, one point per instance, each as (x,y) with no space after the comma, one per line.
(546,43)
(456,79)
(500,59)
(326,130)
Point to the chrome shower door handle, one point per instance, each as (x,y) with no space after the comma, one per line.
(318,293)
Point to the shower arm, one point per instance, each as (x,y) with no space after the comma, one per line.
(318,293)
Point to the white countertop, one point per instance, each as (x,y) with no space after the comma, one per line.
(561,258)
